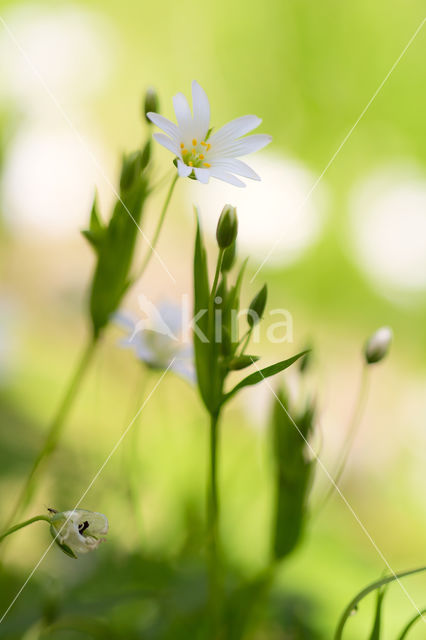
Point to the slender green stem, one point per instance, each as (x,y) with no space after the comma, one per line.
(213,526)
(133,467)
(411,624)
(352,606)
(245,340)
(159,226)
(21,525)
(351,434)
(54,433)
(213,485)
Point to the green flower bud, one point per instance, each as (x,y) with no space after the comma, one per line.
(227,227)
(229,257)
(257,307)
(151,103)
(306,361)
(79,531)
(241,362)
(130,169)
(146,155)
(378,345)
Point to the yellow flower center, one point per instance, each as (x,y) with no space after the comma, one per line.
(195,157)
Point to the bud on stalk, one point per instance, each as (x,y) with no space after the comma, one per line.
(227,227)
(378,344)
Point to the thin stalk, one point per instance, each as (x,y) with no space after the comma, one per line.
(351,434)
(411,624)
(245,340)
(213,522)
(21,525)
(159,226)
(132,464)
(352,606)
(54,432)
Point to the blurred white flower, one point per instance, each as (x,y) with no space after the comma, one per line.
(156,340)
(208,156)
(388,229)
(49,180)
(78,531)
(273,211)
(54,43)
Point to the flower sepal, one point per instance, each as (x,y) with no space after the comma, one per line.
(79,531)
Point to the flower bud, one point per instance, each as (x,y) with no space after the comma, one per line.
(257,307)
(151,103)
(78,531)
(130,168)
(227,227)
(378,345)
(229,257)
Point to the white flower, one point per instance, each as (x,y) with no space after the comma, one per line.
(156,341)
(205,156)
(378,345)
(78,531)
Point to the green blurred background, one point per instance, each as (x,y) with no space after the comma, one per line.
(308,69)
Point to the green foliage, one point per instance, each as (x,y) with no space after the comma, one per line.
(216,339)
(114,244)
(257,307)
(201,303)
(377,624)
(293,473)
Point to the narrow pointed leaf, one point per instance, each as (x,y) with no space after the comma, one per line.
(262,374)
(201,329)
(293,475)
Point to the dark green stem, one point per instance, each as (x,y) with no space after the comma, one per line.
(213,527)
(54,432)
(16,527)
(158,227)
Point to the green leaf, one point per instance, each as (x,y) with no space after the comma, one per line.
(293,474)
(262,374)
(377,624)
(115,251)
(96,231)
(411,623)
(230,311)
(353,605)
(201,304)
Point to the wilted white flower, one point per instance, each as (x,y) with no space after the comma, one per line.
(78,531)
(204,156)
(378,345)
(156,341)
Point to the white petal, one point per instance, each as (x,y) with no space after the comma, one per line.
(183,115)
(165,141)
(234,129)
(163,123)
(201,109)
(183,169)
(236,166)
(221,174)
(245,146)
(202,175)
